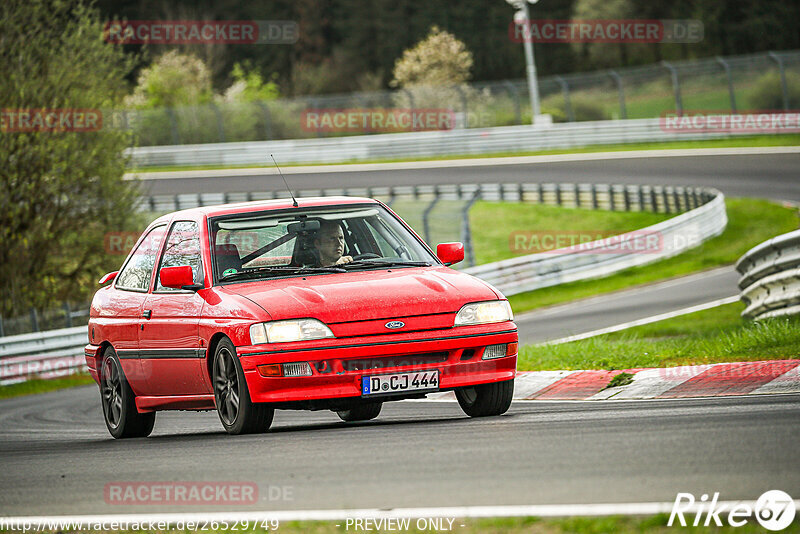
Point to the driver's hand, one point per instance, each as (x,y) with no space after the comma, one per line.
(344,259)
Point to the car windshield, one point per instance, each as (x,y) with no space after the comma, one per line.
(321,240)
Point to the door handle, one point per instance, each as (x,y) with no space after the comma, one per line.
(147,313)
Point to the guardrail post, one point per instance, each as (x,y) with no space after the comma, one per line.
(540,190)
(676,86)
(779,61)
(611,202)
(641,198)
(665,198)
(558,194)
(594,197)
(410,97)
(686,199)
(565,92)
(653,200)
(623,113)
(731,94)
(2,330)
(577,193)
(463,104)
(514,92)
(426,213)
(466,231)
(626,198)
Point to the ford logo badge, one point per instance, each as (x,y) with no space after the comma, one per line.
(395,324)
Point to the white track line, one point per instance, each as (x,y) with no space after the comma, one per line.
(554,510)
(471,162)
(646,320)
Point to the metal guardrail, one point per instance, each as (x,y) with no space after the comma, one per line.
(415,144)
(770,281)
(702,215)
(49,354)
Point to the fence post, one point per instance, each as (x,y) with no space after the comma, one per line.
(466,231)
(173,125)
(565,92)
(267,120)
(426,213)
(512,90)
(2,330)
(220,127)
(784,89)
(623,113)
(410,97)
(676,86)
(34,320)
(463,105)
(68,314)
(731,94)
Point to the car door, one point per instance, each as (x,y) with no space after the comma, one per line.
(127,302)
(169,341)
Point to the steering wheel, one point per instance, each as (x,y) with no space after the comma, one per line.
(366,256)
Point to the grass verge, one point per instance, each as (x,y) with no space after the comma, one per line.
(750,222)
(736,142)
(709,336)
(43,386)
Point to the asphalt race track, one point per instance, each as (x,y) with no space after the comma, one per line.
(57,456)
(774,176)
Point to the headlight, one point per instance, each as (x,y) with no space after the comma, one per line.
(493,311)
(286,331)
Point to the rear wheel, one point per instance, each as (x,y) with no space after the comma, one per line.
(362,412)
(238,414)
(486,399)
(122,418)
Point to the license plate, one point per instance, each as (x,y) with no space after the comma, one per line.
(400,382)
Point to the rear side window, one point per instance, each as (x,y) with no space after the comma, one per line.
(138,272)
(183,248)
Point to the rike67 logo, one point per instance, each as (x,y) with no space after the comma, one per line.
(774,510)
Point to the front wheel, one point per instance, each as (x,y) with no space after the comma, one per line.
(362,412)
(486,399)
(238,414)
(122,418)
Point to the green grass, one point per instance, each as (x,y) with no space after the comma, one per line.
(709,336)
(43,386)
(498,226)
(750,222)
(733,142)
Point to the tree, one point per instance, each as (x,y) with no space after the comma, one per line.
(174,79)
(438,60)
(61,192)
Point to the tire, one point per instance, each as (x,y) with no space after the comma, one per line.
(362,412)
(486,399)
(237,413)
(122,418)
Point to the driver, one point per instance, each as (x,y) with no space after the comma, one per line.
(329,242)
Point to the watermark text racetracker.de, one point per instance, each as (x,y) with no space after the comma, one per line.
(599,241)
(708,121)
(192,493)
(189,32)
(774,510)
(631,31)
(103,526)
(50,120)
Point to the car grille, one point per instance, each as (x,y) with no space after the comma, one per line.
(394,361)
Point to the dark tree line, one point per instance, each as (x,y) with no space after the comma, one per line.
(348,45)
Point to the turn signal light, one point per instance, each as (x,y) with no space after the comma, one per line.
(270,369)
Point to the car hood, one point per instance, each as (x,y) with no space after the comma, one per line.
(366,295)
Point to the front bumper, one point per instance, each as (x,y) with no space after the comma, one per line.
(455,352)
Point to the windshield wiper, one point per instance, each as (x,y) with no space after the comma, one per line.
(283,269)
(385,263)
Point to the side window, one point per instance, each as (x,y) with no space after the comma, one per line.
(183,248)
(138,271)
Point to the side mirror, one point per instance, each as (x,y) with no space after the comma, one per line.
(180,277)
(108,277)
(450,253)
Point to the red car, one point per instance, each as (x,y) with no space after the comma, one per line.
(325,303)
